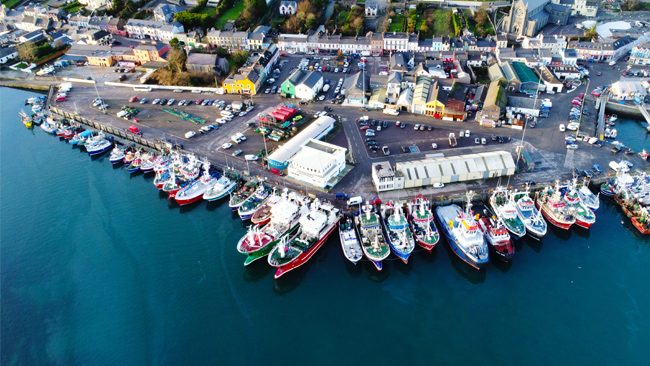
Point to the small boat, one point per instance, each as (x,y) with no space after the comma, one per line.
(284,223)
(613,133)
(222,188)
(80,136)
(161,178)
(373,243)
(422,223)
(315,228)
(99,147)
(27,120)
(494,231)
(641,221)
(173,185)
(117,155)
(597,168)
(644,155)
(148,162)
(49,128)
(613,118)
(463,234)
(349,242)
(397,232)
(588,198)
(191,169)
(130,155)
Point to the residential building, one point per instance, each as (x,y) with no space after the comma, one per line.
(259,38)
(640,54)
(7,54)
(523,105)
(165,12)
(231,40)
(30,23)
(99,23)
(97,37)
(566,72)
(606,50)
(151,52)
(371,9)
(580,7)
(436,44)
(423,85)
(100,55)
(494,103)
(95,4)
(247,81)
(34,37)
(116,26)
(357,88)
(385,178)
(201,62)
(288,7)
(317,163)
(155,30)
(78,20)
(377,98)
(551,83)
(629,89)
(303,85)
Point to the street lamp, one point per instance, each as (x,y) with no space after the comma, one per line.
(266,151)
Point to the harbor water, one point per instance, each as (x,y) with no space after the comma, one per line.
(98,268)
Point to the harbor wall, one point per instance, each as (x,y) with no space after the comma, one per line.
(624,110)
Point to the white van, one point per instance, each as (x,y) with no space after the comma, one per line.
(562,128)
(250,157)
(326,88)
(121,114)
(197,91)
(392,112)
(612,63)
(190,134)
(235,139)
(355,201)
(226,114)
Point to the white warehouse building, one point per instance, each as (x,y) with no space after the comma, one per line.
(462,168)
(318,163)
(316,130)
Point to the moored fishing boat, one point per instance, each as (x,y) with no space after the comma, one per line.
(263,215)
(99,147)
(26,120)
(241,195)
(495,232)
(550,203)
(315,228)
(195,190)
(259,241)
(588,198)
(641,221)
(80,136)
(135,163)
(173,185)
(254,202)
(117,155)
(422,223)
(148,162)
(191,169)
(161,178)
(349,242)
(369,232)
(530,215)
(49,127)
(463,235)
(397,232)
(504,207)
(222,188)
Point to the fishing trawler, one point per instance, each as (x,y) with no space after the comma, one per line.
(422,223)
(117,155)
(463,235)
(27,120)
(505,208)
(397,232)
(255,202)
(225,184)
(583,215)
(263,215)
(194,191)
(315,228)
(370,235)
(530,215)
(238,198)
(588,198)
(554,209)
(494,231)
(259,241)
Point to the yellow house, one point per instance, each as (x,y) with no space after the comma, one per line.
(435,106)
(247,82)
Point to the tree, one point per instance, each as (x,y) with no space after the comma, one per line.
(482,16)
(27,51)
(311,22)
(339,55)
(176,60)
(175,43)
(630,5)
(221,52)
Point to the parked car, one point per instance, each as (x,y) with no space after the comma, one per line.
(236,152)
(385,150)
(144,101)
(133,99)
(226,146)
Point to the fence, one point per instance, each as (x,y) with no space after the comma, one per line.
(110,130)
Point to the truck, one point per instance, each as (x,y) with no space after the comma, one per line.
(452,140)
(365,53)
(237,106)
(392,112)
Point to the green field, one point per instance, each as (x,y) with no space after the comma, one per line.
(209,10)
(397,23)
(231,14)
(10,3)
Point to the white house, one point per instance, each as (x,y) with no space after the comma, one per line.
(318,163)
(309,87)
(371,9)
(288,7)
(384,178)
(94,4)
(7,54)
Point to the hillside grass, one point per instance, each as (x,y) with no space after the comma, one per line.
(231,14)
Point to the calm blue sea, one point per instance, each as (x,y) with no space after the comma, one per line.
(99,269)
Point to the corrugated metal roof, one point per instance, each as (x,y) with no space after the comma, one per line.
(447,167)
(287,150)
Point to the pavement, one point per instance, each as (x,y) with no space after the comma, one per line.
(545,142)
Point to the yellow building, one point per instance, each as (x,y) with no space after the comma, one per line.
(247,82)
